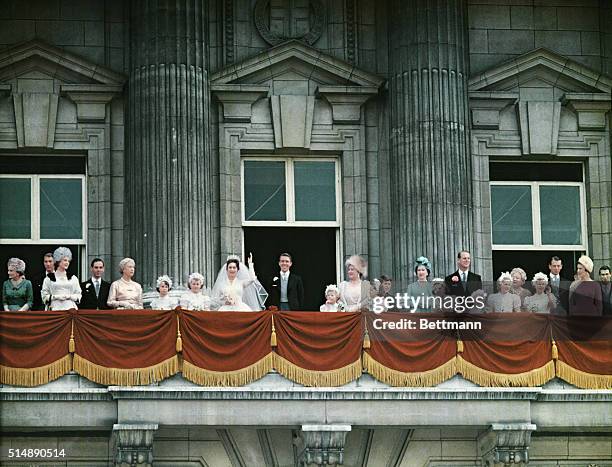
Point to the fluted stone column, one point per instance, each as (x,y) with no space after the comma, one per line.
(169,180)
(431,192)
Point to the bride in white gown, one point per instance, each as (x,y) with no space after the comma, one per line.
(236,286)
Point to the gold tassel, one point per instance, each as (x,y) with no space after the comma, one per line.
(232,378)
(366,340)
(582,379)
(486,378)
(273,335)
(415,379)
(459,346)
(29,377)
(314,378)
(555,351)
(71,345)
(179,340)
(126,377)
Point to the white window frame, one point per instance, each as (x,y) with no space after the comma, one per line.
(290,193)
(535,218)
(34,238)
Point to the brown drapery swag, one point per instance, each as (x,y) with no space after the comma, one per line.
(315,351)
(414,357)
(136,347)
(34,347)
(127,348)
(584,351)
(225,348)
(511,349)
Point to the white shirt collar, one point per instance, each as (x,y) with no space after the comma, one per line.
(285,275)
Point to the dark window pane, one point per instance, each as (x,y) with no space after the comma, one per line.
(264,191)
(315,191)
(61,208)
(535,172)
(560,215)
(15,208)
(511,215)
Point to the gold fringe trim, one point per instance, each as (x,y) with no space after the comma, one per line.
(30,377)
(582,379)
(273,335)
(417,379)
(331,378)
(233,378)
(126,377)
(485,378)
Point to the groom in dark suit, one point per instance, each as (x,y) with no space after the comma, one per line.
(286,289)
(94,292)
(463,282)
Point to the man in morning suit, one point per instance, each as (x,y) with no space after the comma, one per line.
(559,286)
(286,289)
(95,290)
(463,282)
(37,281)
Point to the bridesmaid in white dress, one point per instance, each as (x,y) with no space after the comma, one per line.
(61,290)
(332,299)
(164,301)
(194,298)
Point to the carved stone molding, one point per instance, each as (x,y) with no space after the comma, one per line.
(485,107)
(35,117)
(90,99)
(591,109)
(539,123)
(262,16)
(505,445)
(134,444)
(320,445)
(346,101)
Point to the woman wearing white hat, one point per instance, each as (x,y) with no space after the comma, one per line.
(585,293)
(503,301)
(355,292)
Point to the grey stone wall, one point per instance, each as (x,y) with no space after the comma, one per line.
(502,29)
(93,29)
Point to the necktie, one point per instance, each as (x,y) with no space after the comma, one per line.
(463,278)
(97,286)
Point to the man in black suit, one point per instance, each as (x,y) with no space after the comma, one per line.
(286,289)
(558,286)
(95,290)
(37,281)
(463,282)
(606,289)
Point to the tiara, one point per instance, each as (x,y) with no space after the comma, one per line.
(231,257)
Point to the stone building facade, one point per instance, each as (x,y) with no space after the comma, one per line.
(390,129)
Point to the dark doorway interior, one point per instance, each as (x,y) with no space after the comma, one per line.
(313,251)
(534,261)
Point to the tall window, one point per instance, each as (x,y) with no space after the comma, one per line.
(290,191)
(538,215)
(42,209)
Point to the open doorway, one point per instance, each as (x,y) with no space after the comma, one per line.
(313,251)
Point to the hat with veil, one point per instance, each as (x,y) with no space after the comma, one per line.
(254,295)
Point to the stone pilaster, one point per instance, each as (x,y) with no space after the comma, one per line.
(169,178)
(134,445)
(320,445)
(505,445)
(431,180)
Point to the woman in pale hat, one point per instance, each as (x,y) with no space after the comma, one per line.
(17,294)
(164,301)
(421,289)
(519,277)
(355,293)
(542,301)
(585,293)
(503,301)
(61,289)
(125,293)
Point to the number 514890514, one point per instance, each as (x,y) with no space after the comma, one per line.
(31,453)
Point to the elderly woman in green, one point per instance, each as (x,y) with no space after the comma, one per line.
(17,294)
